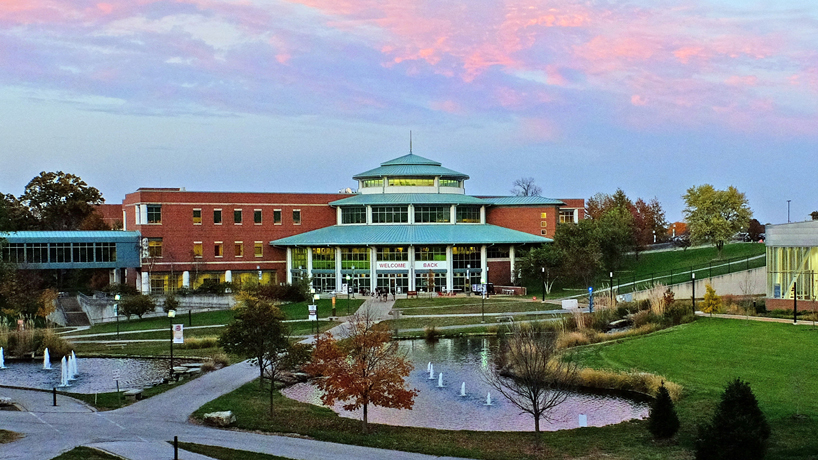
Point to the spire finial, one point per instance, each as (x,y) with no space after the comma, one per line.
(410,142)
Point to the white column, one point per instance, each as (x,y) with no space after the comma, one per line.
(452,215)
(289,265)
(339,278)
(449,270)
(482,214)
(411,211)
(124,221)
(117,276)
(338,218)
(228,276)
(146,283)
(412,286)
(373,269)
(186,279)
(309,263)
(143,214)
(484,263)
(368,214)
(511,261)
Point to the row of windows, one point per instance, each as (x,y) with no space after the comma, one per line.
(411,182)
(154,216)
(400,214)
(462,256)
(41,253)
(219,249)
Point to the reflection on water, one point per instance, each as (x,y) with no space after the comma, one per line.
(96,375)
(464,360)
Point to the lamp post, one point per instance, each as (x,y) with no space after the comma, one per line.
(788,211)
(116,313)
(611,288)
(353,281)
(349,286)
(590,299)
(483,299)
(693,275)
(542,278)
(171,315)
(467,287)
(794,304)
(258,269)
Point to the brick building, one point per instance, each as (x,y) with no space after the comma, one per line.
(411,226)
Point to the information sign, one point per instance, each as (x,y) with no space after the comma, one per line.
(178,333)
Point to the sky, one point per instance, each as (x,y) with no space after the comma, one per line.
(652,97)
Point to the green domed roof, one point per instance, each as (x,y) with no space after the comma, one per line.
(411,165)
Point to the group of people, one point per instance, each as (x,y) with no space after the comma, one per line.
(382,294)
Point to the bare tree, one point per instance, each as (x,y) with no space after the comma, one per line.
(529,372)
(525,186)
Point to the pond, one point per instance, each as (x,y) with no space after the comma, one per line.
(465,360)
(96,375)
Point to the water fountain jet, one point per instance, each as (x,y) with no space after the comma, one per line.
(64,372)
(2,359)
(46,359)
(440,380)
(431,371)
(463,389)
(488,399)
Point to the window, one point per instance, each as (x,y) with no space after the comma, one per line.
(197,249)
(430,253)
(497,252)
(154,213)
(544,223)
(355,257)
(238,249)
(432,214)
(258,248)
(299,258)
(257,216)
(154,247)
(390,214)
(465,256)
(567,215)
(237,216)
(277,217)
(323,259)
(468,214)
(218,249)
(543,215)
(372,183)
(296,217)
(544,232)
(449,183)
(197,217)
(353,215)
(217,216)
(410,182)
(392,254)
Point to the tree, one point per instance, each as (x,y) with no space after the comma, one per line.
(258,332)
(580,248)
(525,186)
(60,201)
(649,221)
(713,216)
(616,235)
(137,305)
(543,262)
(529,373)
(363,368)
(814,215)
(712,302)
(663,422)
(14,215)
(738,428)
(754,230)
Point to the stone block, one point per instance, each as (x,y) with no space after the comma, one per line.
(220,419)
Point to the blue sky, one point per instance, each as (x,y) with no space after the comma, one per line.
(266,95)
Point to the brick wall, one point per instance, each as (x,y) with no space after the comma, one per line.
(526,219)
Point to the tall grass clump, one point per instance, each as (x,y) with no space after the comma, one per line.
(197,343)
(32,340)
(640,382)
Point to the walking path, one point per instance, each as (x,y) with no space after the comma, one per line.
(801,322)
(142,430)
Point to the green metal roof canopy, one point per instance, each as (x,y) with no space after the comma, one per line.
(416,235)
(411,165)
(406,198)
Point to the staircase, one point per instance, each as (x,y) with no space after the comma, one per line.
(74,316)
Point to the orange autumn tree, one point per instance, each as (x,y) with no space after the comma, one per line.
(366,367)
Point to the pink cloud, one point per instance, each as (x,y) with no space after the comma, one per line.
(638,100)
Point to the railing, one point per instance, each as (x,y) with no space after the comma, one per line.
(624,284)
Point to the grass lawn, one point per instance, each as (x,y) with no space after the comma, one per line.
(459,305)
(85,453)
(113,400)
(142,349)
(775,359)
(409,322)
(223,453)
(619,442)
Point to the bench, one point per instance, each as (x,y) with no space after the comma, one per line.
(410,294)
(133,395)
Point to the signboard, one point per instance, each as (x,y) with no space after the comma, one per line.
(313,317)
(312,308)
(570,304)
(392,265)
(432,265)
(116,374)
(313,312)
(178,333)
